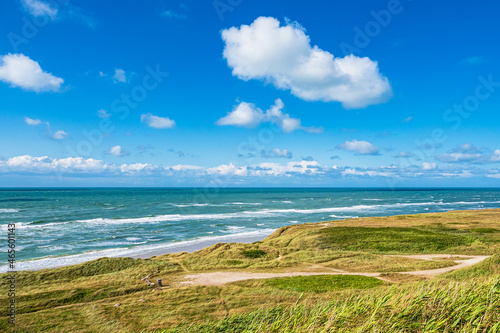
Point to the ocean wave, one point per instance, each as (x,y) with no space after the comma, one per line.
(244,203)
(344,217)
(246,214)
(52,261)
(8,210)
(192,205)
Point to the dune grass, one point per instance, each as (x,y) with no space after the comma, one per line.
(82,298)
(323,283)
(425,307)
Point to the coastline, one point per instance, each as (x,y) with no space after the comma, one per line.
(196,246)
(138,252)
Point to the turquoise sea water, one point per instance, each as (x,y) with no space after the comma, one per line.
(66,226)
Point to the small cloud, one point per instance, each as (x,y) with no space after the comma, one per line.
(101,74)
(349,130)
(249,116)
(20,71)
(359,147)
(59,135)
(157,122)
(32,122)
(243,115)
(472,61)
(171,14)
(407,119)
(428,166)
(308,159)
(119,76)
(404,154)
(335,157)
(276,153)
(39,8)
(103,114)
(118,151)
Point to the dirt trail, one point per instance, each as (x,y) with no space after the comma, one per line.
(219,278)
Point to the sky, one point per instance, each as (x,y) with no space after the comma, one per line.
(249,93)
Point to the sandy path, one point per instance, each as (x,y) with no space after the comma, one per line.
(219,278)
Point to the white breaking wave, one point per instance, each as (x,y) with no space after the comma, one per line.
(243,215)
(8,210)
(52,262)
(245,203)
(192,205)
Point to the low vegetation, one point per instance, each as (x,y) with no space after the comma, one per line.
(107,295)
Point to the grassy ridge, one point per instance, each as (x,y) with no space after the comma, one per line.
(426,307)
(82,298)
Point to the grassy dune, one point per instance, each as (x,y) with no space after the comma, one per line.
(106,295)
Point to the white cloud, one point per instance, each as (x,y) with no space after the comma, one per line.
(359,147)
(228,170)
(136,167)
(157,122)
(118,151)
(230,173)
(249,116)
(369,173)
(119,76)
(494,175)
(43,164)
(243,115)
(32,122)
(407,119)
(20,71)
(103,114)
(39,8)
(467,153)
(428,166)
(496,156)
(184,167)
(283,56)
(59,135)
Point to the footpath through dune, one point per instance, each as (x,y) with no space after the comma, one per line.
(220,278)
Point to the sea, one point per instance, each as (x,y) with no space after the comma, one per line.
(58,227)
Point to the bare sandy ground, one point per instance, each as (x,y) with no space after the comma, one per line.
(219,278)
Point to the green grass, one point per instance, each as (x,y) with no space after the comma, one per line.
(486,268)
(424,307)
(253,253)
(390,240)
(323,283)
(81,298)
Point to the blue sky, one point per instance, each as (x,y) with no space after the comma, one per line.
(240,93)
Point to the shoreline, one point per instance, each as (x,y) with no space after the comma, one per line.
(195,247)
(192,245)
(148,251)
